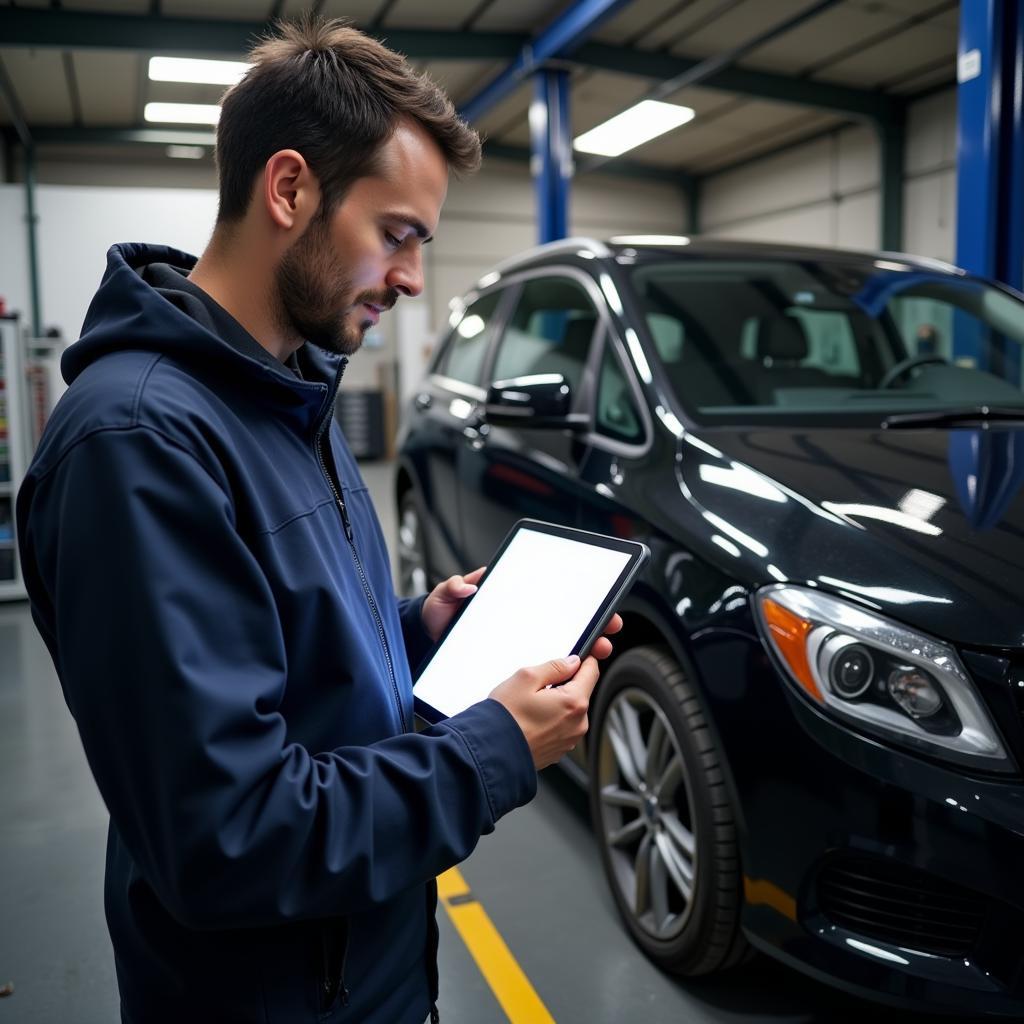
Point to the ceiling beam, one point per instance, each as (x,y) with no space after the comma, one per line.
(560,39)
(841,99)
(620,168)
(83,30)
(10,100)
(63,29)
(55,136)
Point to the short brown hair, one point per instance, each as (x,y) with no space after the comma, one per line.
(335,95)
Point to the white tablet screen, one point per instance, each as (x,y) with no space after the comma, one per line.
(534,605)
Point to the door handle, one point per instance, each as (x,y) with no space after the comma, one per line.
(423,400)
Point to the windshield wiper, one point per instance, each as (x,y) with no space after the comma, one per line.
(983,414)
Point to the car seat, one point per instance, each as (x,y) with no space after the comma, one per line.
(782,347)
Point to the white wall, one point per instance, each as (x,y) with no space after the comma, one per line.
(492,216)
(826,192)
(486,218)
(14,284)
(929,194)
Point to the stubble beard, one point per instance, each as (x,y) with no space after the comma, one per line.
(312,289)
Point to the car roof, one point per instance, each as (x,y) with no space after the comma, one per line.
(696,247)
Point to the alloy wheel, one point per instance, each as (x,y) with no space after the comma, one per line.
(645,818)
(412,565)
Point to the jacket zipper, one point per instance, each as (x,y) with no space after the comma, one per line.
(319,440)
(333,978)
(346,522)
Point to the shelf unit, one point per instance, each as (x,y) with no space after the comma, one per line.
(13,451)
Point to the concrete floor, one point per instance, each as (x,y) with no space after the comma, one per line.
(538,877)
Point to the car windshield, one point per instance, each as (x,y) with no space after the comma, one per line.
(857,340)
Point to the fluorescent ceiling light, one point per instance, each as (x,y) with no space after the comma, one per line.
(651,240)
(202,72)
(183,113)
(641,123)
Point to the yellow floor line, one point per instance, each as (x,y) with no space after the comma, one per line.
(509,984)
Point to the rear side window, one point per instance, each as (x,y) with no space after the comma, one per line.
(551,331)
(617,415)
(463,357)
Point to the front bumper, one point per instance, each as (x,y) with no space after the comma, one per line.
(812,793)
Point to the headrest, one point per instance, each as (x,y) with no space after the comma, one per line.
(782,338)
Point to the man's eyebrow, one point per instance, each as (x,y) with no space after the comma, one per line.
(422,232)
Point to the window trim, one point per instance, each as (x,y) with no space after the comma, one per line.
(605,333)
(615,351)
(517,282)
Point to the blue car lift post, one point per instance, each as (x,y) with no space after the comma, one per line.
(550,135)
(551,153)
(990,164)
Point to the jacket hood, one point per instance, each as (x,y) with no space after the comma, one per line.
(927,525)
(138,308)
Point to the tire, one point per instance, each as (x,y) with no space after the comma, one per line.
(665,827)
(413,568)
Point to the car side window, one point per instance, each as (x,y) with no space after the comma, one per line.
(463,358)
(617,414)
(550,331)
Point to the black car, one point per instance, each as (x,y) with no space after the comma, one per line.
(810,739)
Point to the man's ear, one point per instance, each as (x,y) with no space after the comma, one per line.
(291,193)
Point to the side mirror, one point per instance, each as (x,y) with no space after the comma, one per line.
(541,400)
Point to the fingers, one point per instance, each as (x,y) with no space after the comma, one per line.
(475,575)
(551,673)
(458,588)
(586,678)
(602,648)
(614,625)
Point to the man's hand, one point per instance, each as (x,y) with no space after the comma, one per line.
(446,599)
(550,701)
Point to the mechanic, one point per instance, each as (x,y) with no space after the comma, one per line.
(208,573)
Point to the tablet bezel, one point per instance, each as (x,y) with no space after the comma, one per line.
(638,556)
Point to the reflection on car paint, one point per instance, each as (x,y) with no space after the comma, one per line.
(794,480)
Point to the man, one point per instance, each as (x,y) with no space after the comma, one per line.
(208,573)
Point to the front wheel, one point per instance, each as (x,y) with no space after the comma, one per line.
(413,575)
(663,817)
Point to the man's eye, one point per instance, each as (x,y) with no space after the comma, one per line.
(392,240)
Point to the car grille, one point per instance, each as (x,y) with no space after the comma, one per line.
(902,905)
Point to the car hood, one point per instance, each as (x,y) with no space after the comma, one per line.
(925,525)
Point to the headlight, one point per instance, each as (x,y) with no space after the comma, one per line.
(875,673)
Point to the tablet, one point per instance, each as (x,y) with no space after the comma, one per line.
(547,593)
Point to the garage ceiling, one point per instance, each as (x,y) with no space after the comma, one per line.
(69,87)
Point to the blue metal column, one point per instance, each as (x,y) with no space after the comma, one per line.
(990,158)
(551,153)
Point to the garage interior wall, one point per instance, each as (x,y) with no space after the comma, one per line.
(84,206)
(826,192)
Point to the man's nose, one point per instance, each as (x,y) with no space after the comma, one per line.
(406,276)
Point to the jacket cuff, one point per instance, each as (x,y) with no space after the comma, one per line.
(501,753)
(418,642)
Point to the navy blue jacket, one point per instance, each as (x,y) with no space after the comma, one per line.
(238,669)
